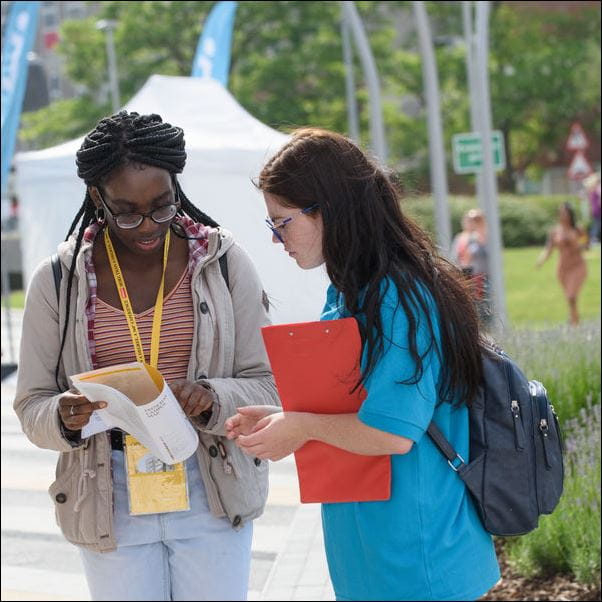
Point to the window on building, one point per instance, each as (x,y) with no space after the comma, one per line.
(75,10)
(50,19)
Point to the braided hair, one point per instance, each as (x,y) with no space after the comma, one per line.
(126,139)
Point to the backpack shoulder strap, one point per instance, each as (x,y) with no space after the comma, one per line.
(223,266)
(444,446)
(57,272)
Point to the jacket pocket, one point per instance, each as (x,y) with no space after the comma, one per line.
(75,504)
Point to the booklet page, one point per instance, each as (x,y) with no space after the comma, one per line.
(139,402)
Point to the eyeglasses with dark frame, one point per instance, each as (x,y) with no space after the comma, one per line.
(130,220)
(287,220)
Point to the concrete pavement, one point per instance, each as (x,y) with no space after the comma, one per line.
(288,561)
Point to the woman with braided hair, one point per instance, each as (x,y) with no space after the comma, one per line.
(137,224)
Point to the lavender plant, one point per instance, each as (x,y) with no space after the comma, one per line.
(565,359)
(568,541)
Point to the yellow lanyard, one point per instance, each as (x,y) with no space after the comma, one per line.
(127,306)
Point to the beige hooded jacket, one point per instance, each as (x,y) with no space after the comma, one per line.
(227,353)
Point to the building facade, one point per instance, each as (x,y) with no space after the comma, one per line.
(47,79)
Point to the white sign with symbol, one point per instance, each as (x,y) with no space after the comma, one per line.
(577,140)
(579,167)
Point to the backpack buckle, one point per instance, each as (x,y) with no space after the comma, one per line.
(459,465)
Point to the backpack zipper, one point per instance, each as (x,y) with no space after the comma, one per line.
(543,429)
(531,443)
(519,433)
(543,422)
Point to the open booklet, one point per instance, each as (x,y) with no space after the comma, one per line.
(139,402)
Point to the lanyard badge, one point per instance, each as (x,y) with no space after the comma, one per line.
(153,486)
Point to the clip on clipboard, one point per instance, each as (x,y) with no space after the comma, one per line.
(315,366)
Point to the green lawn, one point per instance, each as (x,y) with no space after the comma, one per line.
(534,298)
(17,299)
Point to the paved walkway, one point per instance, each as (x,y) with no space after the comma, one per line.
(288,561)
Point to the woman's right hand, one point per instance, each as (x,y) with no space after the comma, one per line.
(244,422)
(75,409)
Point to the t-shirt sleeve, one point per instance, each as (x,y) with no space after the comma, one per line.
(402,409)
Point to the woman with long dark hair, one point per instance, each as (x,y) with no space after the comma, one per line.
(329,204)
(571,271)
(141,239)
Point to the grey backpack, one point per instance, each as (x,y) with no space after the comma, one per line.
(515,472)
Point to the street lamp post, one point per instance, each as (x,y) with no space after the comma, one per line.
(435,129)
(108,25)
(475,121)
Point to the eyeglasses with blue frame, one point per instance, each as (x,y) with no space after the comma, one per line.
(287,220)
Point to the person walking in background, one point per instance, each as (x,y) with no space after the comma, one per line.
(329,204)
(570,240)
(138,228)
(469,252)
(459,250)
(591,185)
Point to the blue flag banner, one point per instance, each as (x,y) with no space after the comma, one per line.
(212,58)
(19,35)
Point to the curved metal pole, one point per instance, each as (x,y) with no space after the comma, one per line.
(467,20)
(377,130)
(352,117)
(494,235)
(435,129)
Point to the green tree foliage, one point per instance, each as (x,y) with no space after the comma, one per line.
(545,74)
(287,70)
(151,37)
(60,121)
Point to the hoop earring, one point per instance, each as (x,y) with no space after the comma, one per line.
(100,215)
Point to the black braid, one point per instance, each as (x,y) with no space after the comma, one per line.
(124,139)
(88,212)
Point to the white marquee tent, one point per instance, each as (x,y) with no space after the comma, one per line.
(226,147)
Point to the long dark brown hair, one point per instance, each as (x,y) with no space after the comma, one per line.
(568,207)
(367,239)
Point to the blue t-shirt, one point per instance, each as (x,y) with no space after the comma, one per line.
(426,542)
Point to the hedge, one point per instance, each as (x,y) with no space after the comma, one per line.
(526,220)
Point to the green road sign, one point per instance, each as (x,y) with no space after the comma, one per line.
(467,152)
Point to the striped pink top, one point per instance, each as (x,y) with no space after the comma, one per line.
(114,342)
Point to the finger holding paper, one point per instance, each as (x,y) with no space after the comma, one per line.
(192,397)
(75,409)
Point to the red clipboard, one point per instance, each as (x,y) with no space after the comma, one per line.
(315,366)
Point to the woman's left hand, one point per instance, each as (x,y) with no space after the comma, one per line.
(275,437)
(193,398)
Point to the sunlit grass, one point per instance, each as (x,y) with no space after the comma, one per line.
(534,298)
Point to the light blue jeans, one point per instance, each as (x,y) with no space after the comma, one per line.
(174,556)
